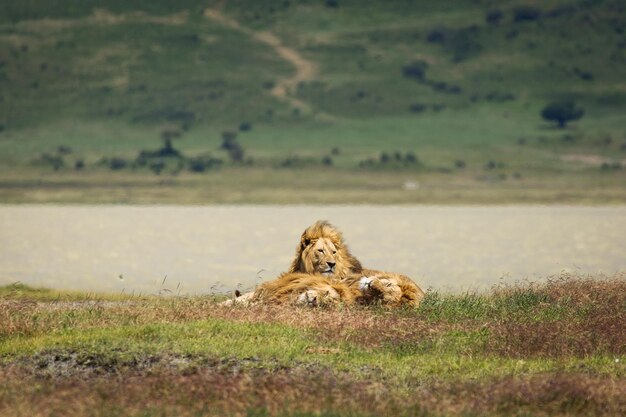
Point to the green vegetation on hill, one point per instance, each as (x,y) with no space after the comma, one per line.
(335,85)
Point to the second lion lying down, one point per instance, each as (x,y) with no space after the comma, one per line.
(325,273)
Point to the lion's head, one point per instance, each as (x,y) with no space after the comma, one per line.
(387,288)
(322,250)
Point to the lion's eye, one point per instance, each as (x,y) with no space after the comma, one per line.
(334,252)
(321,250)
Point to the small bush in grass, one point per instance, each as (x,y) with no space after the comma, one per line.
(584,75)
(231,145)
(493,17)
(415,70)
(297,161)
(418,107)
(204,163)
(562,112)
(394,160)
(526,14)
(117,163)
(611,166)
(411,158)
(437,35)
(64,150)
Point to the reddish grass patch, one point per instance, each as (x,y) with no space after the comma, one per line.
(210,392)
(591,320)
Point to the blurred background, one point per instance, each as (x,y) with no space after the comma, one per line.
(321,101)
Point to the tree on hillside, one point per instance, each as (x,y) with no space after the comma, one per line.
(167,135)
(232,146)
(562,112)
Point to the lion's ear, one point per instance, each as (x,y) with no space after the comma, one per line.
(306,242)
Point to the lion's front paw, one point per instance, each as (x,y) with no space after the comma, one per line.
(365,283)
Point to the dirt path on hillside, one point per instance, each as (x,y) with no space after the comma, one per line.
(283,89)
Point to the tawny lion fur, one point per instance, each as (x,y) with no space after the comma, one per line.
(305,289)
(324,272)
(374,286)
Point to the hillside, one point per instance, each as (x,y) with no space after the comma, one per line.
(433,89)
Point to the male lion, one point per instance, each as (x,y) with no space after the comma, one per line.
(322,246)
(322,260)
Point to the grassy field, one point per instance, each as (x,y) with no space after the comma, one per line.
(557,348)
(312,89)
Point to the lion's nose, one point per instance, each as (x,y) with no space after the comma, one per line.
(331,265)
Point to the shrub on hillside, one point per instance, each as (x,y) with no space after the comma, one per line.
(526,13)
(64,150)
(391,160)
(297,161)
(204,163)
(562,112)
(232,146)
(117,163)
(584,75)
(411,158)
(493,17)
(437,35)
(417,107)
(415,70)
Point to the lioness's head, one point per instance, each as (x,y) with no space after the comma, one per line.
(323,251)
(300,288)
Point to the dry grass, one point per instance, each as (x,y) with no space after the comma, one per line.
(581,317)
(306,391)
(555,348)
(567,316)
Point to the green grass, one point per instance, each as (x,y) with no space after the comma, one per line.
(561,343)
(19,291)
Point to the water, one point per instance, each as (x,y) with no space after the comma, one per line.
(204,249)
